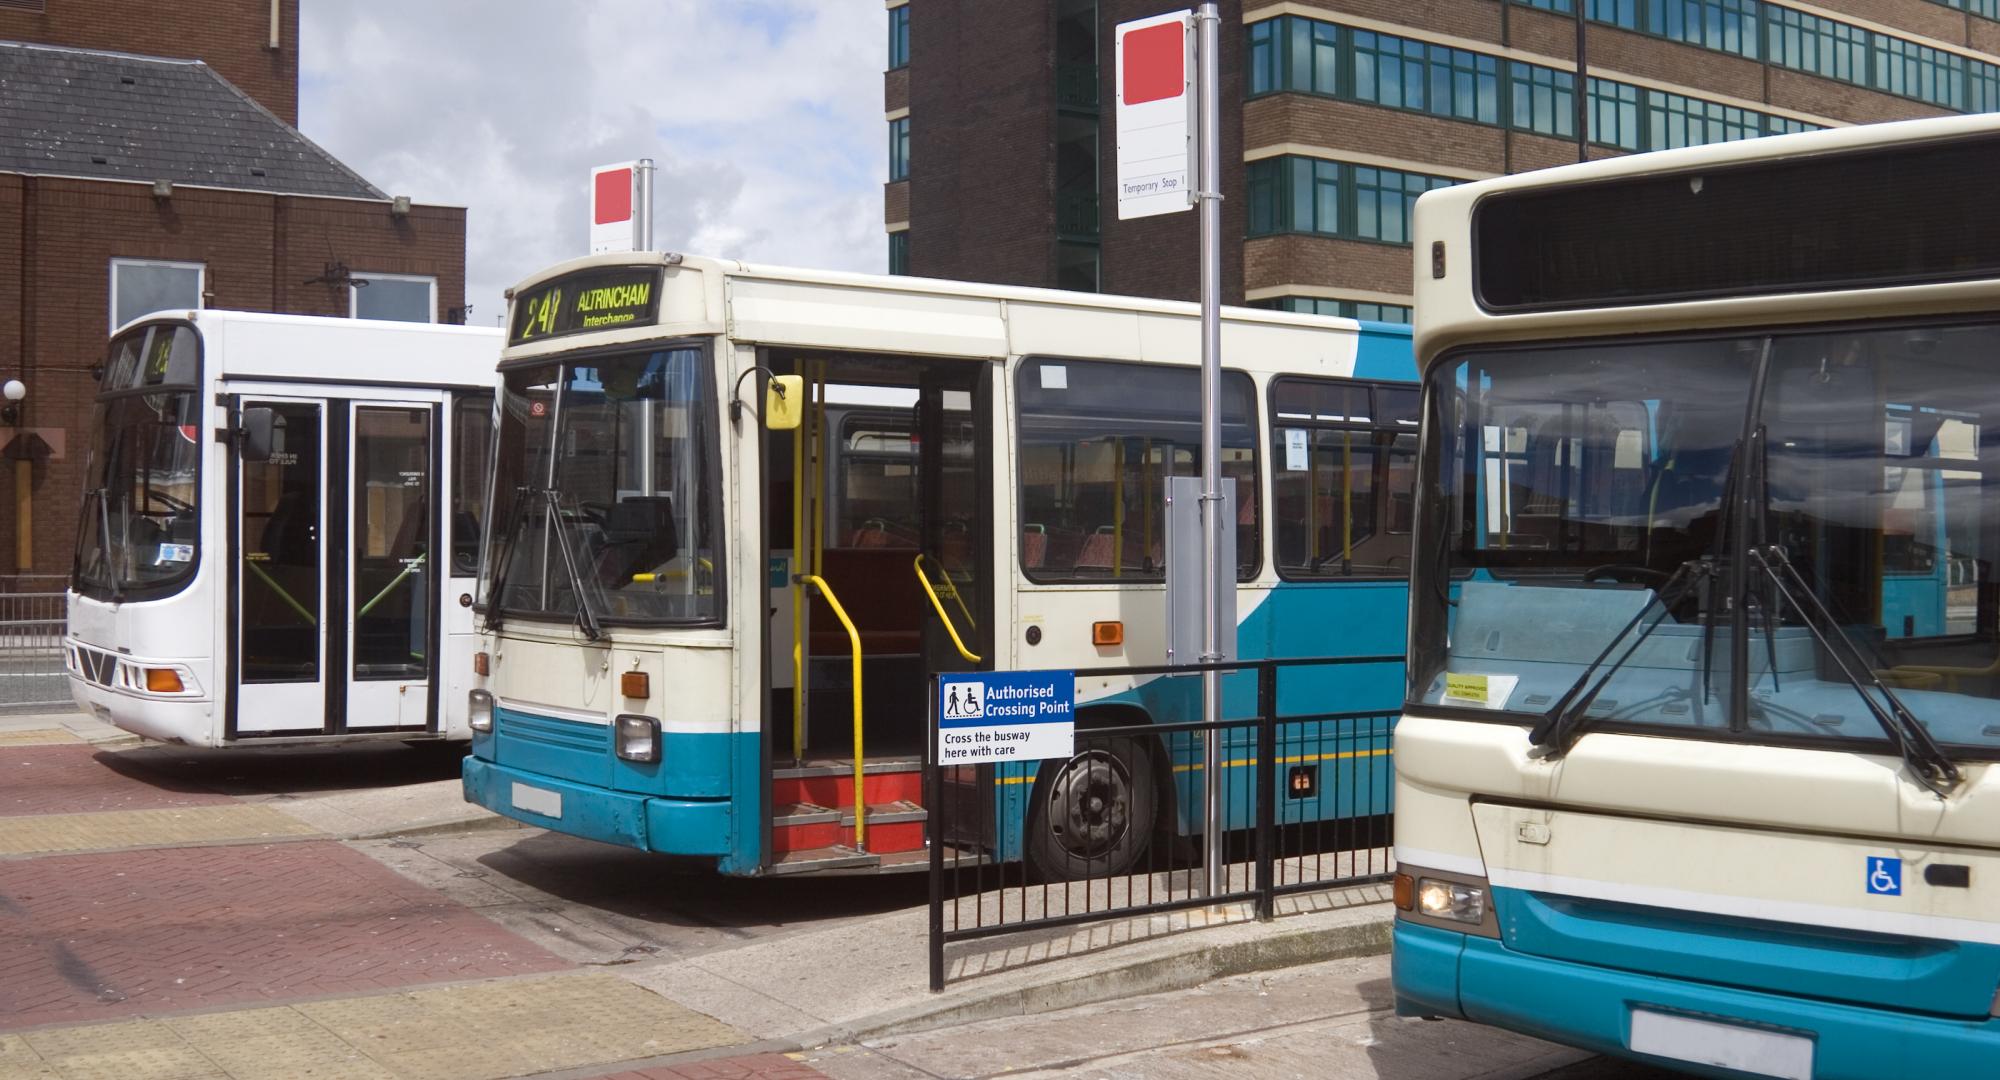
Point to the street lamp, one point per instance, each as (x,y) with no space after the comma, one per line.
(14,391)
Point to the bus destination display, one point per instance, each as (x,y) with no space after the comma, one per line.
(593,300)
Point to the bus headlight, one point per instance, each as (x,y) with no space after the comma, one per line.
(637,738)
(1452,900)
(479,710)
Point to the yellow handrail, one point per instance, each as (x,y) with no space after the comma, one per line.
(957,641)
(853,640)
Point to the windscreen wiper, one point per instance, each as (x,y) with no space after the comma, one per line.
(1928,762)
(586,616)
(515,513)
(107,552)
(1559,727)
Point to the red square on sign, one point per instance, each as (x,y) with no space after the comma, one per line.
(1155,63)
(613,201)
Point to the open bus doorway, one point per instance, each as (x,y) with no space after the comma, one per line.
(879,507)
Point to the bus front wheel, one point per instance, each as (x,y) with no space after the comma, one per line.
(1093,814)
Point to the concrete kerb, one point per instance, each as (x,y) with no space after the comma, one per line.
(968,1002)
(868,979)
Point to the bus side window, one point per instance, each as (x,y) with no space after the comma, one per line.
(1344,477)
(471,449)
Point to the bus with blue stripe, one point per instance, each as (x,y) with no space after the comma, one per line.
(1695,765)
(742,514)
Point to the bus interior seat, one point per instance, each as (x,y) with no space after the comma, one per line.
(1034,546)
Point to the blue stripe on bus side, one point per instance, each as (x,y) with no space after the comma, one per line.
(1382,351)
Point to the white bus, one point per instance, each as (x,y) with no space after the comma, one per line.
(1696,765)
(280,529)
(979,484)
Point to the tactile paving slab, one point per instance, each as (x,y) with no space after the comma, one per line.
(83,779)
(89,937)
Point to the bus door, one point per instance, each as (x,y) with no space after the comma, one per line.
(278,644)
(330,637)
(393,566)
(955,470)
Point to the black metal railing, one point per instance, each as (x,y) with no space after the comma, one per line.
(1117,830)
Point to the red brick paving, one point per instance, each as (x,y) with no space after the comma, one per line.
(81,779)
(751,1067)
(89,937)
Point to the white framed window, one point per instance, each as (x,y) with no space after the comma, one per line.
(392,297)
(143,286)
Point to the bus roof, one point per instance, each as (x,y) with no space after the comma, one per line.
(1448,312)
(251,345)
(895,314)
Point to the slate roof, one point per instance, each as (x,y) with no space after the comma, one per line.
(78,112)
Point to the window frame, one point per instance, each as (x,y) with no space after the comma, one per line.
(1246,573)
(899,149)
(119,261)
(1279,424)
(354,295)
(899,37)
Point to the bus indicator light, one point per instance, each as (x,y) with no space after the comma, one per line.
(635,684)
(164,681)
(1107,634)
(480,664)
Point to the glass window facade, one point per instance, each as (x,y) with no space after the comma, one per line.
(899,37)
(1292,54)
(1367,310)
(899,149)
(1292,194)
(1789,38)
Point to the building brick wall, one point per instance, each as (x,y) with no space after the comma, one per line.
(231,36)
(982,134)
(896,89)
(895,202)
(1345,125)
(1160,256)
(1271,261)
(58,237)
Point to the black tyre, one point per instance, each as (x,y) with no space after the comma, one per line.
(1093,814)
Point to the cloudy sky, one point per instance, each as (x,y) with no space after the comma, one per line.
(764,118)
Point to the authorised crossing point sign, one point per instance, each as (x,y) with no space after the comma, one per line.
(1006,716)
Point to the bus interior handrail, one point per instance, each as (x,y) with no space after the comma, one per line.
(854,642)
(957,642)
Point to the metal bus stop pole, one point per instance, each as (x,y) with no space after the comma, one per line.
(1208,144)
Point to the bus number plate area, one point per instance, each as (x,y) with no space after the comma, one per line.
(1705,1042)
(537,801)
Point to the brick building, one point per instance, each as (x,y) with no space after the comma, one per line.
(149,160)
(1336,114)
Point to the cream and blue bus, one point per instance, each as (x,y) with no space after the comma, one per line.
(1696,761)
(742,514)
(280,529)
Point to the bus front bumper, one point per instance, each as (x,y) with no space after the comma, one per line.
(1444,973)
(648,823)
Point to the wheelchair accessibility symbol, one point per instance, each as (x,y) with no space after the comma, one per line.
(1885,876)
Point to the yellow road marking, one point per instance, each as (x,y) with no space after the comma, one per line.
(39,737)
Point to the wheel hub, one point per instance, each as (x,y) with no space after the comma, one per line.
(1090,804)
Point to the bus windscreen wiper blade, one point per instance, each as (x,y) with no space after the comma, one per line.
(516,512)
(1928,762)
(586,616)
(1560,725)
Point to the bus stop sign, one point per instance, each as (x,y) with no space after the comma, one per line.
(1006,716)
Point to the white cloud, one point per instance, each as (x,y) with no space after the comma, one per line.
(764,118)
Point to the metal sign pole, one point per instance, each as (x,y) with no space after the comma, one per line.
(642,206)
(1214,580)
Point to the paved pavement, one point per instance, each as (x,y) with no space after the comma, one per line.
(168,913)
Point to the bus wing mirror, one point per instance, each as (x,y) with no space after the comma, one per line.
(257,434)
(784,402)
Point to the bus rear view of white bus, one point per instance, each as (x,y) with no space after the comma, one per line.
(1705,638)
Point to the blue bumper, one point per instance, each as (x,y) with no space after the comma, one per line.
(668,826)
(1442,973)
